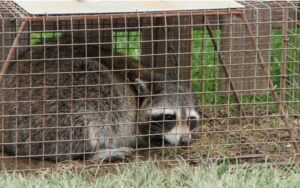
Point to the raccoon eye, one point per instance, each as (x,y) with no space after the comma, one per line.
(170,117)
(163,117)
(162,123)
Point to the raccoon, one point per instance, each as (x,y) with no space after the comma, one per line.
(65,102)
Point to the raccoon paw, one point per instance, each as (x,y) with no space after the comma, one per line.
(113,154)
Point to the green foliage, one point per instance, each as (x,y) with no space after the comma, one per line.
(206,69)
(276,56)
(127,43)
(35,38)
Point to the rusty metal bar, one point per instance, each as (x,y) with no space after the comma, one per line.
(223,65)
(272,87)
(12,50)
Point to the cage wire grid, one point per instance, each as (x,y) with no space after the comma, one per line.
(77,87)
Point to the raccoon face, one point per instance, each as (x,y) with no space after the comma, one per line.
(168,114)
(173,125)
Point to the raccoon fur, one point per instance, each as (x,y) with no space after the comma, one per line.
(64,102)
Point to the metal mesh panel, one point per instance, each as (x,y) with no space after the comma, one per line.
(154,86)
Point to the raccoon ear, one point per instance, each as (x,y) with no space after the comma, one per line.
(141,87)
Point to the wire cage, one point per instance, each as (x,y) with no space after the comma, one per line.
(150,86)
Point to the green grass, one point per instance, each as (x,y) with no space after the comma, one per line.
(205,66)
(151,175)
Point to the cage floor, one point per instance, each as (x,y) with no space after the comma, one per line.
(262,140)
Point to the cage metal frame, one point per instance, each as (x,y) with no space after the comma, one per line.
(240,14)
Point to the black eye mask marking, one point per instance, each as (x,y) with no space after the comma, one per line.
(162,123)
(192,122)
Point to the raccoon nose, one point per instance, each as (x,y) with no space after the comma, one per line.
(184,140)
